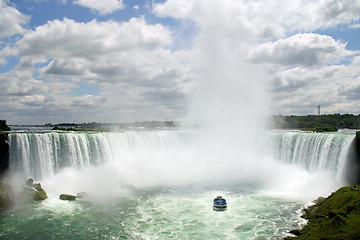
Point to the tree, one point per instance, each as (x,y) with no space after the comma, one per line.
(4,126)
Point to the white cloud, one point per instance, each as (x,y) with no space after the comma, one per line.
(68,38)
(5,52)
(354,26)
(333,12)
(111,56)
(306,49)
(300,90)
(138,76)
(176,9)
(104,7)
(11,20)
(260,30)
(101,51)
(267,18)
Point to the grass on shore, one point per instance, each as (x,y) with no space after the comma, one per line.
(336,217)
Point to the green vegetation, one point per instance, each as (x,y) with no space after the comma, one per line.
(336,217)
(4,126)
(82,129)
(321,129)
(103,127)
(320,123)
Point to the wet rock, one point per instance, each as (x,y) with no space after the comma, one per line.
(30,182)
(27,195)
(38,187)
(4,154)
(32,192)
(296,232)
(5,195)
(40,195)
(67,197)
(319,200)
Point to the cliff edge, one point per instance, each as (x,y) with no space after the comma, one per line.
(4,153)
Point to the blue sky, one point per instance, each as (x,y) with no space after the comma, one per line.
(116,61)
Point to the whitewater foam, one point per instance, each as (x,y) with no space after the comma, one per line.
(301,164)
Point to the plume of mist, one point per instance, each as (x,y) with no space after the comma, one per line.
(230,91)
(229,104)
(229,101)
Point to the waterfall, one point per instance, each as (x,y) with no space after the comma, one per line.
(334,152)
(174,154)
(41,155)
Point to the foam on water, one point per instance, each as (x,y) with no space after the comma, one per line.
(162,213)
(160,184)
(303,164)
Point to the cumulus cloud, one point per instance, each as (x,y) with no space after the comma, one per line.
(109,51)
(176,9)
(103,7)
(113,56)
(350,91)
(306,49)
(11,20)
(68,38)
(334,12)
(6,52)
(304,69)
(139,76)
(22,83)
(300,90)
(266,19)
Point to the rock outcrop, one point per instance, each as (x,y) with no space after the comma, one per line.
(4,153)
(67,197)
(32,192)
(5,195)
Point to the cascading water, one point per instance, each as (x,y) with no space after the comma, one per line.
(160,184)
(42,155)
(333,152)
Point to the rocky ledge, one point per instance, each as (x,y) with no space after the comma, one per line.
(336,217)
(33,192)
(30,192)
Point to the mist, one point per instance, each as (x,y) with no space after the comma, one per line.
(229,104)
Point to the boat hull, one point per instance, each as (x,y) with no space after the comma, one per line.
(220,208)
(219,204)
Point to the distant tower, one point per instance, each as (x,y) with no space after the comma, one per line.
(318,110)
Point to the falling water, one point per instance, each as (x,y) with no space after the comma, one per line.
(42,155)
(312,151)
(160,184)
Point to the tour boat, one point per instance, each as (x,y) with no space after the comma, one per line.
(219,204)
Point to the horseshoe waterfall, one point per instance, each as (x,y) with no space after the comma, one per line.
(159,184)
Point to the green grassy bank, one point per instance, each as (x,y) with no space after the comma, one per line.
(336,217)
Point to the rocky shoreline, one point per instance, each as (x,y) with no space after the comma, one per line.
(333,218)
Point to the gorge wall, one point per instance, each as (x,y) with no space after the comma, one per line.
(4,153)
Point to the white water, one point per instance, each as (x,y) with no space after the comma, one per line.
(286,161)
(160,184)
